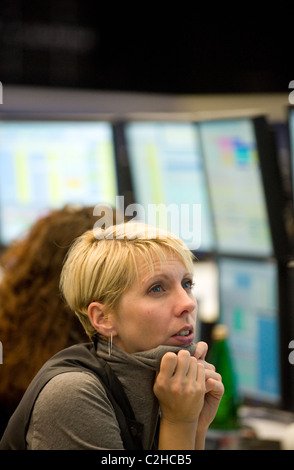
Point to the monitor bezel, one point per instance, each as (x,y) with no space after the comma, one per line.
(273,191)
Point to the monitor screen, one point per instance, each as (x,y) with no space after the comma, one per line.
(169,181)
(47,164)
(249,306)
(231,156)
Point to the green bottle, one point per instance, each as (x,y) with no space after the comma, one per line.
(219,355)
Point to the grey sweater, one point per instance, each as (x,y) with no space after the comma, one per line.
(73,411)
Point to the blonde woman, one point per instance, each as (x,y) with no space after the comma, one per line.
(131,287)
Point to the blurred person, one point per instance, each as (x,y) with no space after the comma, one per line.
(131,287)
(35,322)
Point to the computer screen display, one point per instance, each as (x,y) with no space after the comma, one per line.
(169,180)
(47,164)
(249,306)
(235,183)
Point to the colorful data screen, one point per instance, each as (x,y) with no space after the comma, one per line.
(169,180)
(249,307)
(236,188)
(45,165)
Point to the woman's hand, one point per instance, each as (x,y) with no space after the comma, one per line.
(180,389)
(189,391)
(214,389)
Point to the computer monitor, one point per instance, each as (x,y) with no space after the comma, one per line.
(169,181)
(245,187)
(45,164)
(249,306)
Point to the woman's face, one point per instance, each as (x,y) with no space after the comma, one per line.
(157,309)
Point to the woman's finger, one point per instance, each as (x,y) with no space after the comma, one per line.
(214,386)
(206,364)
(201,350)
(183,364)
(201,377)
(168,364)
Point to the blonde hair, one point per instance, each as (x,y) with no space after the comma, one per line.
(102,264)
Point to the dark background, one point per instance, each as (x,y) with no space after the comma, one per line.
(180,49)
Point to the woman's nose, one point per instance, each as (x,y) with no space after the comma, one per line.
(185,303)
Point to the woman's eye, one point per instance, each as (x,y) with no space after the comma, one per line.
(188,284)
(156,289)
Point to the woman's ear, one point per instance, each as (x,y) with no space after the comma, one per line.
(100,318)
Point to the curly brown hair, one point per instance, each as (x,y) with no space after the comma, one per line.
(35,321)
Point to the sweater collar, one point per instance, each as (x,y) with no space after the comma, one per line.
(149,359)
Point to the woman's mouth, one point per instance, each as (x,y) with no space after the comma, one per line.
(185,335)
